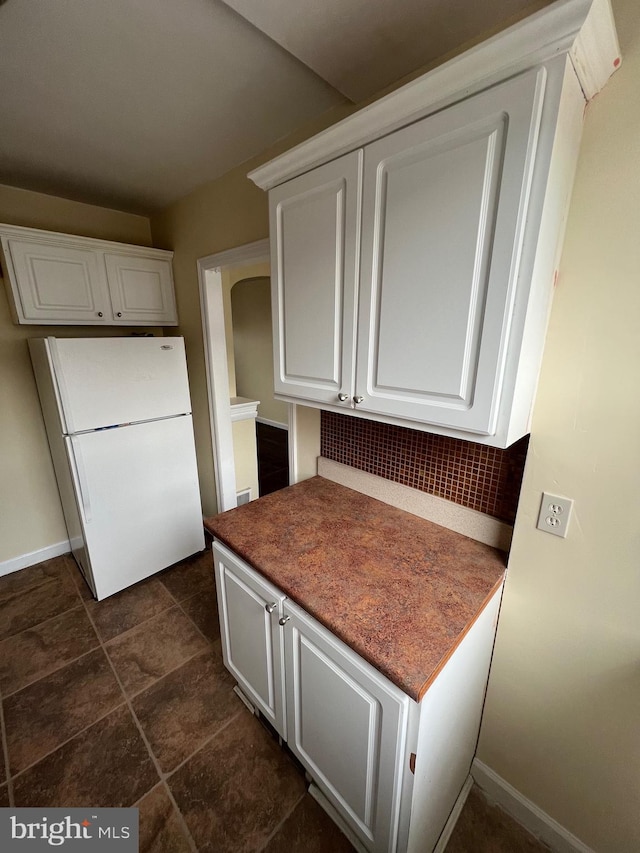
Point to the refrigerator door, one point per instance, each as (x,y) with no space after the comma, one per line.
(137,495)
(105,381)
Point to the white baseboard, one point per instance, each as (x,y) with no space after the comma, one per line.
(449,826)
(39,556)
(272,423)
(526,813)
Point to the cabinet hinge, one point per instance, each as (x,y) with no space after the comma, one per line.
(412,763)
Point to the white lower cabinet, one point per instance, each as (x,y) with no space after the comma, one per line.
(348,725)
(391,768)
(252,648)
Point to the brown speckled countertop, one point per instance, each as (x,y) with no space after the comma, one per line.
(399,590)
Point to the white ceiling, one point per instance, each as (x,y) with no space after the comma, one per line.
(134,103)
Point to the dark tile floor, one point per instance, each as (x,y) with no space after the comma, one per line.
(126,702)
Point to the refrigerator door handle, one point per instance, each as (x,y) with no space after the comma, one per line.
(80,476)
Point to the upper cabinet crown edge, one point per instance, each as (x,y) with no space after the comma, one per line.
(584,29)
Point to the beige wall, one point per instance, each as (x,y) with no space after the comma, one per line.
(253,346)
(245,456)
(223,214)
(31,516)
(562,719)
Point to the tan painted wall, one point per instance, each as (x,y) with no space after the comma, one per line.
(253,346)
(31,516)
(562,719)
(223,214)
(245,457)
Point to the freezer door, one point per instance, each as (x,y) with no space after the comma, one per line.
(138,497)
(106,381)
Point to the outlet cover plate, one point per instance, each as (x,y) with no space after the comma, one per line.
(555,514)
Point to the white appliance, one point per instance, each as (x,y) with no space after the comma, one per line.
(118,418)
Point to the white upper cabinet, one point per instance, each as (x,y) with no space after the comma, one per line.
(315,252)
(57,283)
(141,289)
(443,213)
(60,279)
(423,233)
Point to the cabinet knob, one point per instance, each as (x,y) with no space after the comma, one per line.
(283,620)
(100,314)
(358,399)
(343,397)
(271,607)
(119,314)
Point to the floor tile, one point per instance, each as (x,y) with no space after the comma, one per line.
(189,576)
(45,648)
(81,585)
(183,709)
(54,595)
(146,653)
(203,609)
(484,828)
(21,581)
(4,797)
(160,828)
(309,829)
(107,765)
(47,713)
(126,609)
(235,791)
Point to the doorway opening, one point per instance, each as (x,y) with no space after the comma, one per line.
(231,412)
(253,367)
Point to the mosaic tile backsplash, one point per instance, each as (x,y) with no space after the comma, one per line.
(484,478)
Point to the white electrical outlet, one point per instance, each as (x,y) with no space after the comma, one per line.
(555,513)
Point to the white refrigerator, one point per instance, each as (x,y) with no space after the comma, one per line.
(118,417)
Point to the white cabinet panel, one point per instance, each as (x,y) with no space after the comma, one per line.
(58,283)
(249,609)
(347,725)
(314,234)
(141,290)
(443,215)
(63,279)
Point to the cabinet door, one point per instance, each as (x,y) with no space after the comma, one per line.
(249,609)
(314,227)
(347,725)
(444,207)
(141,290)
(57,283)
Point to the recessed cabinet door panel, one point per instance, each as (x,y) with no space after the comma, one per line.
(251,636)
(141,290)
(444,205)
(59,284)
(314,233)
(347,725)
